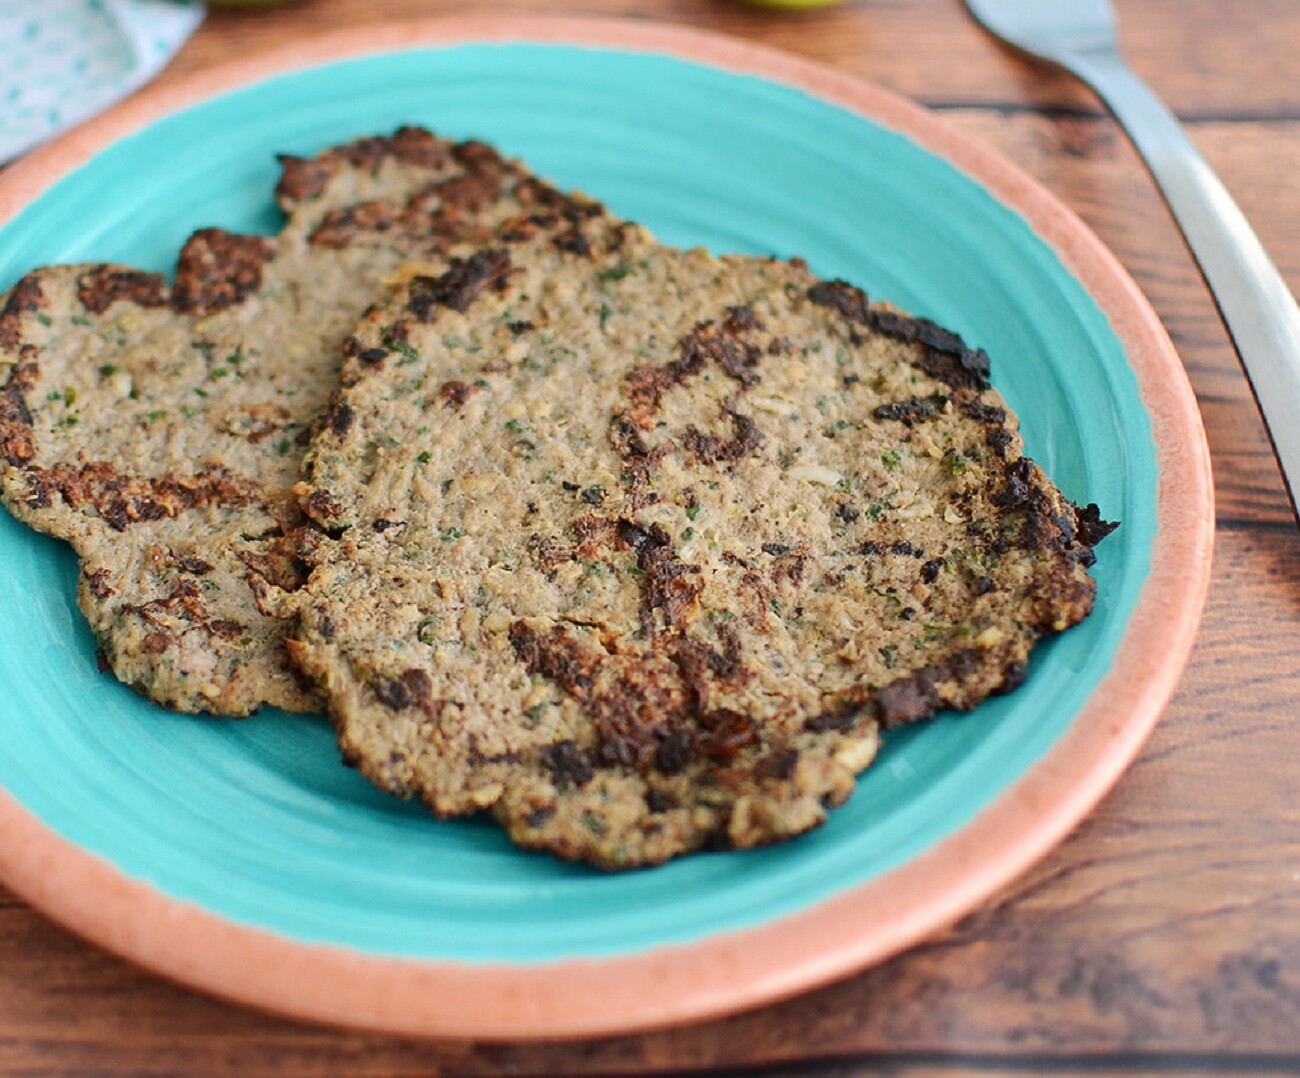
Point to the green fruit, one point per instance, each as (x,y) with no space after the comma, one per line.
(791,5)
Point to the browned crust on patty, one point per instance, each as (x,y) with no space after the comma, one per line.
(135,418)
(463,281)
(218,269)
(121,499)
(569,647)
(17,438)
(100,286)
(942,353)
(25,296)
(306,178)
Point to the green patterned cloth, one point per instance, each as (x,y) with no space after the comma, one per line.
(62,61)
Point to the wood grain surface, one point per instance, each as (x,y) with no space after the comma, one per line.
(1164,935)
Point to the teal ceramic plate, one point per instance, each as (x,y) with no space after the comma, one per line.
(243,858)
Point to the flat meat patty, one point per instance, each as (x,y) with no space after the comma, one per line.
(159,429)
(640,549)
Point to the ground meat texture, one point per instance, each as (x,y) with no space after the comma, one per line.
(695,538)
(136,417)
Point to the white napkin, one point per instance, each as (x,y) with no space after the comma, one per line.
(62,61)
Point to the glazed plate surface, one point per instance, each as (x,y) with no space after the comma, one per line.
(243,858)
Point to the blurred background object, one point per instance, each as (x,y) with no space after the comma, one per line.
(63,61)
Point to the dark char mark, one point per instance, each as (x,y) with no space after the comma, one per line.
(908,411)
(17,439)
(464,281)
(412,688)
(568,764)
(218,269)
(304,178)
(25,296)
(944,355)
(98,288)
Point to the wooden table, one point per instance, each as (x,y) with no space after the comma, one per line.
(1164,936)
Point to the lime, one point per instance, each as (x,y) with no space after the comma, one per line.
(791,5)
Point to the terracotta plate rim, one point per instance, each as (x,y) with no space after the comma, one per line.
(738,969)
